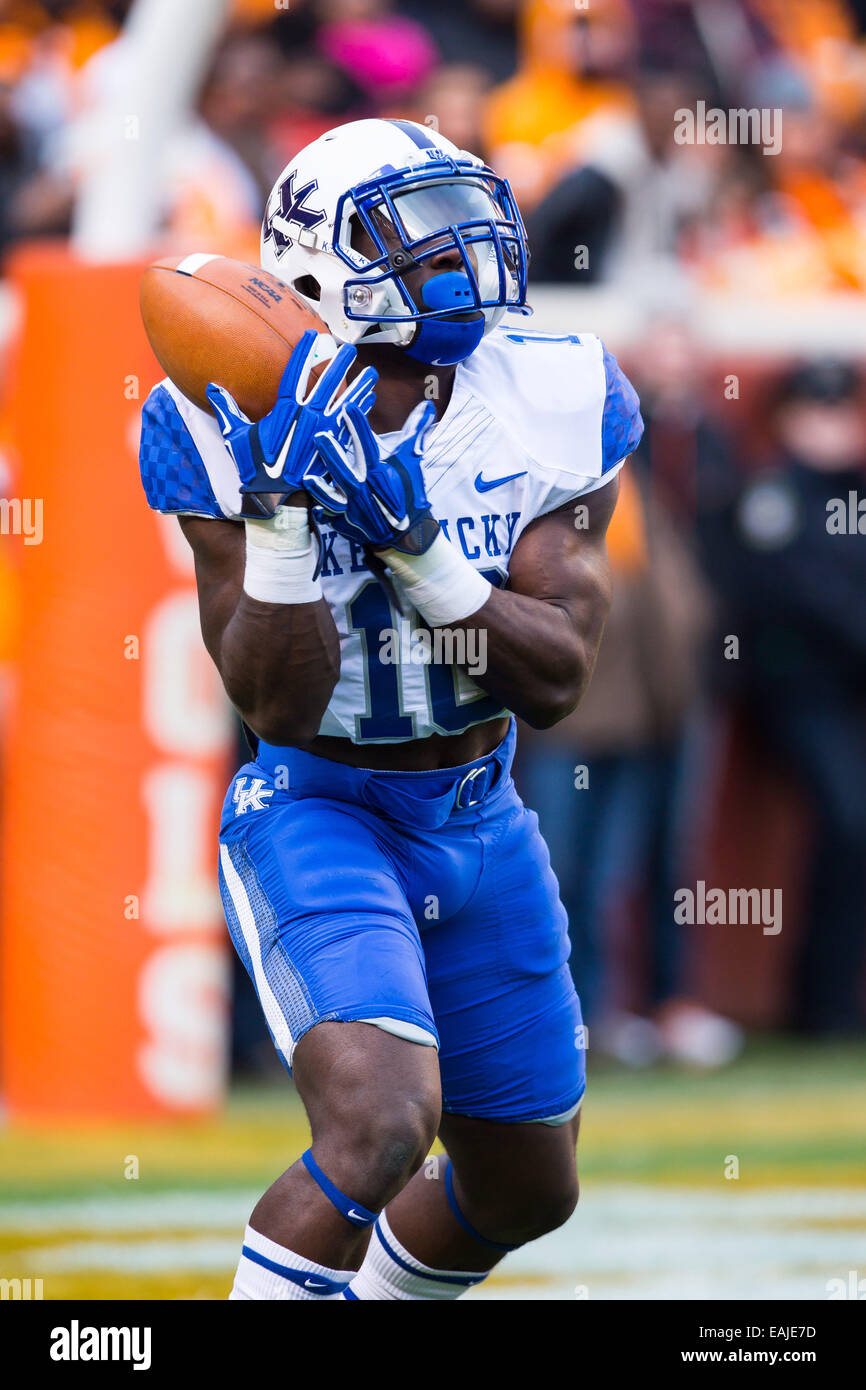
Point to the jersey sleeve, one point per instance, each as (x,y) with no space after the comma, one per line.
(621,422)
(186,469)
(621,432)
(566,404)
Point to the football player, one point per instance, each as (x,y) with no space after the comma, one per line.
(391,897)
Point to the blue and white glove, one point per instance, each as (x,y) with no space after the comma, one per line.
(274,454)
(370,495)
(379,499)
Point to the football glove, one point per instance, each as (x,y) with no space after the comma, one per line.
(273,455)
(372,496)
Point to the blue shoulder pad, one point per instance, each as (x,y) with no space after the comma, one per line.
(621,423)
(172,470)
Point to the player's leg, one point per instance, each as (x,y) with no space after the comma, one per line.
(317,913)
(512,1061)
(373,1104)
(822,741)
(500,1186)
(507,1179)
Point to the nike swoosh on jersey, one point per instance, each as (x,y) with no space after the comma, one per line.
(355,1215)
(481,485)
(311,1284)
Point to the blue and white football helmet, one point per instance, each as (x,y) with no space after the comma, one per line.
(405,193)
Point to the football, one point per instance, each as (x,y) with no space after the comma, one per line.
(211,318)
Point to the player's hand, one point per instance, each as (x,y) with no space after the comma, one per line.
(273,454)
(373,496)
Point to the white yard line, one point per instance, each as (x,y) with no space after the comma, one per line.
(155,1256)
(637,1242)
(131,1211)
(626,1205)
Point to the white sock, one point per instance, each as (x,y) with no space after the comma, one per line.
(389,1271)
(285,1275)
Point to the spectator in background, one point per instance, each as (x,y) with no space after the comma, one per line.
(43,49)
(454,98)
(219,170)
(316,93)
(609,784)
(386,53)
(820,38)
(633,194)
(787,556)
(216,169)
(685,460)
(803,229)
(243,90)
(473,31)
(343,60)
(720,46)
(574,65)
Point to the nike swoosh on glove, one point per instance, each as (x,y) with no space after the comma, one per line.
(273,454)
(372,496)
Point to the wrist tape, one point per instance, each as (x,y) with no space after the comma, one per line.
(441,584)
(282,555)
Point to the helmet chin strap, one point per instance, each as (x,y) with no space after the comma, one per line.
(441,342)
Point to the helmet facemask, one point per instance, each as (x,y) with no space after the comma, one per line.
(389,227)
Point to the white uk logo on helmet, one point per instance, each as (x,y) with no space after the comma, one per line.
(290,214)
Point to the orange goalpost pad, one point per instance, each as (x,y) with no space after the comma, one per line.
(113,962)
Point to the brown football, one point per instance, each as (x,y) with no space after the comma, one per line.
(210,318)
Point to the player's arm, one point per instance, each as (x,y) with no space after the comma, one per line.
(542,633)
(264,619)
(279,661)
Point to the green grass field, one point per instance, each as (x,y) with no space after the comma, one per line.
(661,1215)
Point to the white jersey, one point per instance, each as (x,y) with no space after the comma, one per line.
(534,422)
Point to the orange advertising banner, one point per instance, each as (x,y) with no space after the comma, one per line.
(113,966)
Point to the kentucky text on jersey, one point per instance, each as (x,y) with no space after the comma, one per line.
(490,534)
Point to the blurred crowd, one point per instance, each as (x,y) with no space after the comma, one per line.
(574,101)
(722,528)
